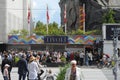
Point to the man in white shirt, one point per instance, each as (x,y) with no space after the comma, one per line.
(73,73)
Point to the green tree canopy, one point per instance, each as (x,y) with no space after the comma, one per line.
(14,32)
(40,29)
(22,32)
(108,16)
(53,29)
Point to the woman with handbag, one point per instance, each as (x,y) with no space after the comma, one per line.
(40,71)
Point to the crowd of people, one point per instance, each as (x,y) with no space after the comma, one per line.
(83,58)
(29,62)
(28,65)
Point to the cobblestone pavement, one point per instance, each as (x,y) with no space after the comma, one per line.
(89,73)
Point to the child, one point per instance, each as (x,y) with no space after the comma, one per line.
(50,75)
(5,73)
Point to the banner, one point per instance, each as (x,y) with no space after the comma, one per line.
(56,39)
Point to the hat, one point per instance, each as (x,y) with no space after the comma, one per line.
(73,62)
(6,65)
(32,58)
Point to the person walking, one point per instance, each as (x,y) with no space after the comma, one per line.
(33,69)
(22,67)
(90,58)
(82,55)
(6,61)
(73,73)
(40,71)
(86,59)
(5,72)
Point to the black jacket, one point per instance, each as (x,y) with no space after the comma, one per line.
(22,66)
(6,61)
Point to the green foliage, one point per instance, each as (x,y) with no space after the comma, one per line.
(108,17)
(61,75)
(22,32)
(77,32)
(14,32)
(94,32)
(40,29)
(81,32)
(53,29)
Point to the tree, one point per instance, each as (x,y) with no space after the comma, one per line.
(81,32)
(14,32)
(23,32)
(61,75)
(40,29)
(53,29)
(108,16)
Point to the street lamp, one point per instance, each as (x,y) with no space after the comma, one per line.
(115,44)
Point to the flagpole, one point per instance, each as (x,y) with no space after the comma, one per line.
(84,18)
(29,16)
(47,28)
(47,16)
(29,28)
(65,28)
(65,20)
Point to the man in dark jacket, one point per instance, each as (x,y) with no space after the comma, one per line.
(6,61)
(22,68)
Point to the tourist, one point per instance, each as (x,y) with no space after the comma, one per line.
(33,69)
(5,72)
(73,73)
(22,67)
(6,61)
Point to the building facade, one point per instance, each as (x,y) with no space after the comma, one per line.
(13,16)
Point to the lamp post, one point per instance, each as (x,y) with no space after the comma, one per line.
(115,44)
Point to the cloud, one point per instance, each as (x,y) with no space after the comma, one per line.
(34,4)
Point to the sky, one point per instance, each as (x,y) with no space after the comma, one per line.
(39,10)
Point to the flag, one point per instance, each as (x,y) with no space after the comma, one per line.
(82,17)
(47,15)
(28,14)
(65,19)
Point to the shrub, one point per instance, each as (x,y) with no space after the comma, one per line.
(61,75)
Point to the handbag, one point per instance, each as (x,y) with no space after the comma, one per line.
(42,71)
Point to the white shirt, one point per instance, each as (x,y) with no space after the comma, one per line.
(81,55)
(79,75)
(33,70)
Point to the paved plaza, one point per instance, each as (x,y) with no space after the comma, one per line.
(88,73)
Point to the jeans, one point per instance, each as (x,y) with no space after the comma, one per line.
(5,78)
(22,76)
